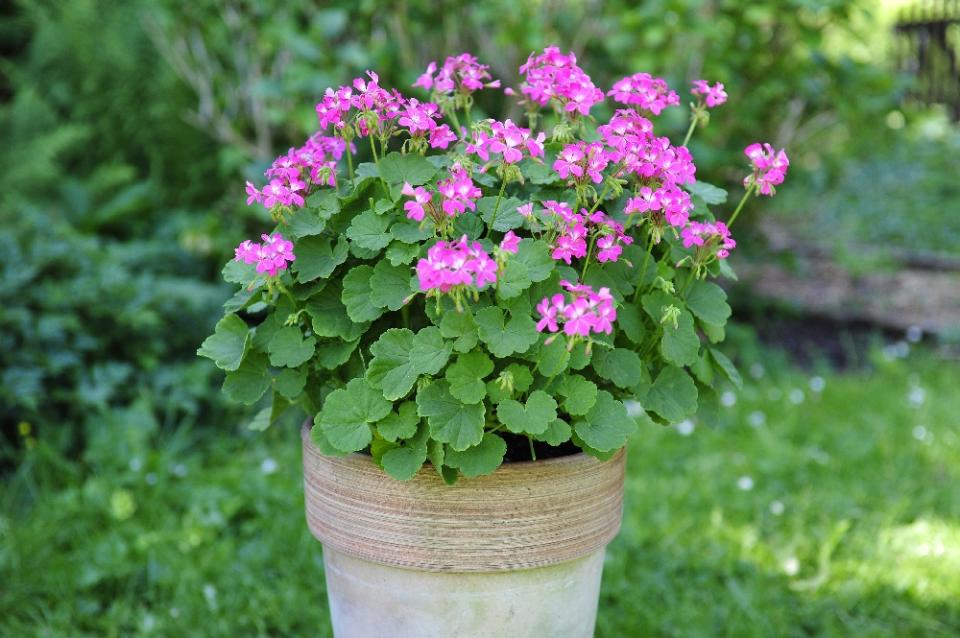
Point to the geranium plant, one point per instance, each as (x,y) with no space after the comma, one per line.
(481,289)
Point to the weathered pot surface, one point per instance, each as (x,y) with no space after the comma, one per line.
(518,553)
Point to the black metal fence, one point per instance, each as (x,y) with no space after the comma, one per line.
(928,49)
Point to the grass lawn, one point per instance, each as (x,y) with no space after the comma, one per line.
(819,504)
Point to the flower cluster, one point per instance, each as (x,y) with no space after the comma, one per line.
(555,76)
(459,74)
(374,106)
(709,236)
(585,312)
(574,229)
(611,237)
(667,203)
(571,238)
(420,119)
(643,91)
(508,140)
(769,167)
(580,161)
(452,264)
(713,95)
(270,257)
(458,191)
(290,175)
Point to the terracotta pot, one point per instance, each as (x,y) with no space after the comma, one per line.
(518,553)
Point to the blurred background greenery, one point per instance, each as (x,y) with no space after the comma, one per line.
(135,502)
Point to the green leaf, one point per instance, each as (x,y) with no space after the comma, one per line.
(553,359)
(451,421)
(520,377)
(389,285)
(469,225)
(401,423)
(535,255)
(289,348)
(324,202)
(531,263)
(228,344)
(619,365)
(533,418)
(480,459)
(557,433)
(347,414)
(391,369)
(369,230)
(320,440)
(399,253)
(290,382)
(430,351)
(247,383)
(304,223)
(707,192)
(238,272)
(673,395)
(727,368)
(334,353)
(460,327)
(329,317)
(397,168)
(631,321)
(504,340)
(654,302)
(513,280)
(466,376)
(607,425)
(580,394)
(410,232)
(680,345)
(318,257)
(403,463)
(708,301)
(507,216)
(357,295)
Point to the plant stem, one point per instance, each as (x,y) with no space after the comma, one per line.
(603,194)
(373,150)
(496,207)
(643,269)
(533,454)
(693,126)
(349,161)
(583,273)
(743,201)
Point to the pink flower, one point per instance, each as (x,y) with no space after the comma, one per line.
(459,192)
(510,243)
(253,195)
(586,312)
(442,137)
(555,76)
(644,91)
(449,265)
(461,74)
(714,95)
(510,141)
(271,256)
(647,200)
(420,196)
(526,209)
(709,237)
(247,252)
(419,118)
(769,167)
(580,160)
(548,308)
